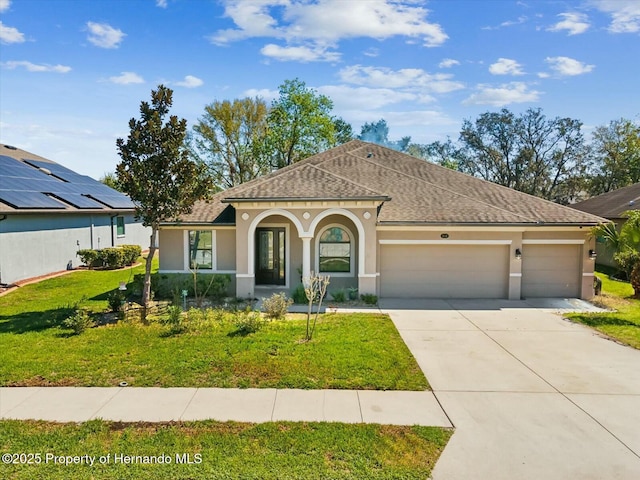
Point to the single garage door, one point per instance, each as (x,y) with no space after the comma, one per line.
(444,271)
(551,271)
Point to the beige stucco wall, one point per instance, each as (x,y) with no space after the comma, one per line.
(171,244)
(226,249)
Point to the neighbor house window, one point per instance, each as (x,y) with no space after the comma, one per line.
(201,249)
(334,251)
(120,226)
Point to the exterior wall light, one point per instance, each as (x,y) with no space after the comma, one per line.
(592,254)
(518,254)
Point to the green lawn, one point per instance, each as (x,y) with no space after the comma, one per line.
(623,324)
(355,351)
(226,450)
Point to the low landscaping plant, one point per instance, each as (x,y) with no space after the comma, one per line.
(247,321)
(79,321)
(276,306)
(298,295)
(110,257)
(369,298)
(339,295)
(116,300)
(168,285)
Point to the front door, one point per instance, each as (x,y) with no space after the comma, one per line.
(270,257)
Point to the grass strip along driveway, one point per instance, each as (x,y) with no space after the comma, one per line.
(348,351)
(623,324)
(223,450)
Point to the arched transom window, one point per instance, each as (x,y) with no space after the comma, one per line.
(335,250)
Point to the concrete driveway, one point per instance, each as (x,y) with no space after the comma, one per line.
(532,396)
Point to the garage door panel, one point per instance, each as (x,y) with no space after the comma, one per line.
(551,271)
(434,271)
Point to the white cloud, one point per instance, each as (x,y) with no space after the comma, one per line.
(190,82)
(573,23)
(565,66)
(509,23)
(363,98)
(506,66)
(104,36)
(33,67)
(323,23)
(499,96)
(371,52)
(625,14)
(448,63)
(414,78)
(126,78)
(4,5)
(299,54)
(264,93)
(10,34)
(161,3)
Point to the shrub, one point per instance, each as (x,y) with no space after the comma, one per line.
(276,306)
(298,295)
(91,258)
(79,321)
(166,285)
(116,299)
(369,298)
(112,257)
(339,295)
(353,293)
(173,317)
(627,260)
(131,253)
(247,321)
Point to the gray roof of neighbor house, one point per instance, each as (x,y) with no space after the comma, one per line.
(612,204)
(413,191)
(30,183)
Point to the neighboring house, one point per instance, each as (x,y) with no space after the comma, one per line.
(48,213)
(388,224)
(611,205)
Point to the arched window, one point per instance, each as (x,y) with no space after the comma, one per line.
(334,250)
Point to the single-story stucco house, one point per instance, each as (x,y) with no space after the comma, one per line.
(611,205)
(388,224)
(48,213)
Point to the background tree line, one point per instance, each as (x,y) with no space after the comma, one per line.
(238,140)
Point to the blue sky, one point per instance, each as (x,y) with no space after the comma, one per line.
(73,72)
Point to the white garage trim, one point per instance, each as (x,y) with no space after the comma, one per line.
(515,274)
(445,242)
(551,241)
(588,274)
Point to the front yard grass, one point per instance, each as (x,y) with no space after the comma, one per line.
(348,351)
(624,323)
(228,450)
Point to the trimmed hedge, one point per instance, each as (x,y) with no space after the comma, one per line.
(170,285)
(110,257)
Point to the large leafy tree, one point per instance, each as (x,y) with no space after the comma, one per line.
(616,154)
(230,139)
(300,124)
(156,171)
(529,152)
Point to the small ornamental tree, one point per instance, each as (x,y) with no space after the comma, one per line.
(156,171)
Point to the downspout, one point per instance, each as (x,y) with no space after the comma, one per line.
(91,230)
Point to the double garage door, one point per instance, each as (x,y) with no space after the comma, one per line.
(477,271)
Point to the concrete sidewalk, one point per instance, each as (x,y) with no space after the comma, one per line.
(78,404)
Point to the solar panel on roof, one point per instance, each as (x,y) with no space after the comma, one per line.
(78,201)
(57,170)
(26,200)
(114,201)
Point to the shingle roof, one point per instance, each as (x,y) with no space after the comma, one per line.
(416,191)
(612,204)
(30,183)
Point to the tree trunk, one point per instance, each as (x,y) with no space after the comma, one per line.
(635,280)
(146,289)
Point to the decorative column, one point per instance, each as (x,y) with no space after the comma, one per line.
(306,256)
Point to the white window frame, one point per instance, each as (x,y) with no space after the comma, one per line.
(214,251)
(351,272)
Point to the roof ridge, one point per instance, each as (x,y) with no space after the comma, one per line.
(346,179)
(447,189)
